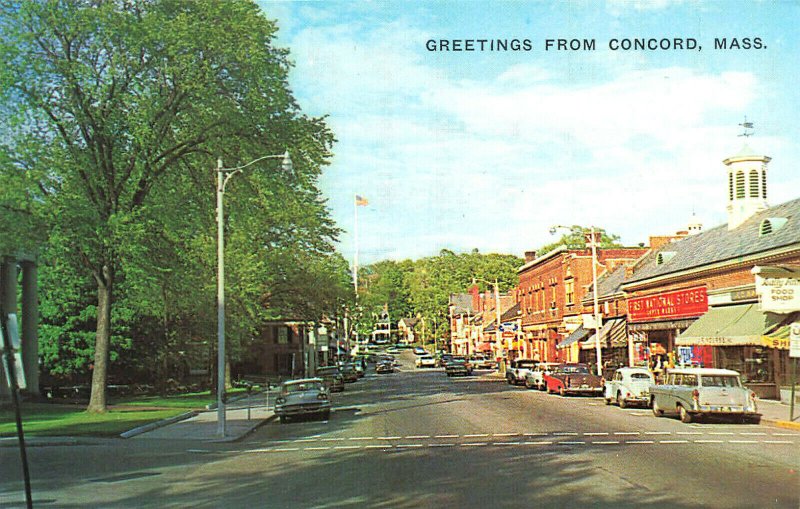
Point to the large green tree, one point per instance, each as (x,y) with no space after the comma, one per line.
(121,110)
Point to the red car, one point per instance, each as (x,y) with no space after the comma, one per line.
(573,378)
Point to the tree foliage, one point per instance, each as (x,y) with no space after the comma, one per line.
(576,238)
(117,112)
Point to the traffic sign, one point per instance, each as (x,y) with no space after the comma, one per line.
(794,340)
(508,327)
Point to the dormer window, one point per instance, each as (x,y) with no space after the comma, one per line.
(771,225)
(664,256)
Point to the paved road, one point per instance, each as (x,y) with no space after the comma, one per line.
(420,439)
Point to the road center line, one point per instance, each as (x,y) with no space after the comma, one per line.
(473,444)
(441,445)
(286,449)
(341,439)
(626,432)
(446,436)
(536,434)
(317,449)
(673,441)
(504,434)
(639,442)
(720,433)
(605,442)
(361,438)
(742,441)
(306,440)
(389,438)
(347,447)
(708,441)
(784,434)
(752,434)
(657,432)
(595,434)
(417,437)
(571,443)
(565,434)
(387,446)
(476,435)
(408,445)
(688,433)
(778,442)
(507,443)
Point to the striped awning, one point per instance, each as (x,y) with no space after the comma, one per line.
(578,334)
(613,332)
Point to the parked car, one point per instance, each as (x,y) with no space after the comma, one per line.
(418,350)
(696,392)
(573,378)
(425,361)
(442,359)
(535,377)
(383,367)
(393,350)
(482,362)
(517,369)
(332,377)
(629,386)
(458,365)
(303,397)
(349,372)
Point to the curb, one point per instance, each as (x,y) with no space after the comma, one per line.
(213,406)
(782,424)
(158,424)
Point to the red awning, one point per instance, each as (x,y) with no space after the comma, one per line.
(485,347)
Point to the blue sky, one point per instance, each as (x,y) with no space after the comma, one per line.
(488,149)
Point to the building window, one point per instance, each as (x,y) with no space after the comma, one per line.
(764,183)
(283,335)
(740,184)
(753,184)
(569,288)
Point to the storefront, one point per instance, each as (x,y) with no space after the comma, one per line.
(743,338)
(614,345)
(655,321)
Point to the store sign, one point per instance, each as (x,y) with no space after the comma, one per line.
(508,327)
(778,294)
(668,305)
(794,340)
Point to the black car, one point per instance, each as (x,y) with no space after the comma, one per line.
(384,367)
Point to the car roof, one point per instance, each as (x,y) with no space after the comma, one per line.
(704,371)
(633,369)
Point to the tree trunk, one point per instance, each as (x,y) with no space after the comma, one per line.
(97,401)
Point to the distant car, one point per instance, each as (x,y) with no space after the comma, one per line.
(695,392)
(349,373)
(393,350)
(442,359)
(333,379)
(629,386)
(383,367)
(517,369)
(418,350)
(482,362)
(573,378)
(535,377)
(425,361)
(458,365)
(303,397)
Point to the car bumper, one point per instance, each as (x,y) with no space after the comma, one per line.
(584,390)
(307,408)
(724,410)
(458,372)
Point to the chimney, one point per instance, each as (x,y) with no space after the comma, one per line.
(530,256)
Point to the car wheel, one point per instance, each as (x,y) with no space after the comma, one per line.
(621,401)
(541,387)
(326,415)
(562,391)
(607,400)
(528,384)
(284,419)
(686,417)
(549,391)
(656,409)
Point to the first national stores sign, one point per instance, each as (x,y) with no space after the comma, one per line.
(669,305)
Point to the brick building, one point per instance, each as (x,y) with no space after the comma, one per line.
(551,290)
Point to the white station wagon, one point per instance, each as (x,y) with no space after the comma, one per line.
(628,386)
(693,392)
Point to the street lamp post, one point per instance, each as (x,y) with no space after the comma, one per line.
(223,176)
(593,245)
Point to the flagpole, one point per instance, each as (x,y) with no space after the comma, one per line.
(355,254)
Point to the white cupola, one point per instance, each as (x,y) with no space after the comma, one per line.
(747,185)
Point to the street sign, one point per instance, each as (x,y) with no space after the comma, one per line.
(509,327)
(794,340)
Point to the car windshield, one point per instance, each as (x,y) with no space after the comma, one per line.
(640,376)
(720,381)
(526,364)
(301,387)
(575,370)
(458,359)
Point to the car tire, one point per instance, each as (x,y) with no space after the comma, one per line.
(284,419)
(686,417)
(656,409)
(621,401)
(326,415)
(541,387)
(607,400)
(562,391)
(549,391)
(527,384)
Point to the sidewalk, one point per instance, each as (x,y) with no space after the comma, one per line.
(202,426)
(777,414)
